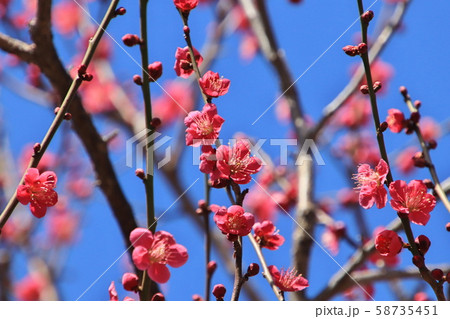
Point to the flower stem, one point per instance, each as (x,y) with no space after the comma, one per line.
(437,184)
(238,270)
(424,271)
(267,274)
(64,108)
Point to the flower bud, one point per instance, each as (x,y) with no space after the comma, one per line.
(68,116)
(120,11)
(158,297)
(350,50)
(186,29)
(419,261)
(364,89)
(404,91)
(252,270)
(428,183)
(155,71)
(377,86)
(130,282)
(362,48)
(56,110)
(383,126)
(417,104)
(137,79)
(415,117)
(432,144)
(155,123)
(211,267)
(447,227)
(367,16)
(140,173)
(437,274)
(87,77)
(36,148)
(197,298)
(419,160)
(131,40)
(82,70)
(219,291)
(423,244)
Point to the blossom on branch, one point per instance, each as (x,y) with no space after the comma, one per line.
(388,243)
(154,252)
(234,220)
(203,127)
(183,63)
(412,199)
(288,280)
(185,5)
(371,185)
(37,191)
(267,236)
(213,85)
(236,162)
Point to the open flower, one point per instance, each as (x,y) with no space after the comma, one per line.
(234,220)
(412,199)
(38,191)
(185,5)
(183,63)
(203,127)
(213,85)
(395,120)
(288,280)
(154,252)
(267,236)
(388,243)
(371,185)
(236,162)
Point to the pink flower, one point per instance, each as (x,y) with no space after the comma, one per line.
(361,147)
(288,280)
(30,288)
(331,236)
(234,220)
(404,162)
(154,252)
(185,5)
(388,243)
(249,46)
(213,85)
(383,261)
(412,199)
(355,112)
(430,129)
(130,282)
(260,204)
(66,17)
(113,296)
(267,236)
(395,120)
(183,63)
(176,100)
(203,127)
(62,226)
(371,185)
(236,162)
(421,296)
(38,191)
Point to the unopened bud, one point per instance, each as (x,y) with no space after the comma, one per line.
(428,183)
(131,40)
(88,77)
(219,291)
(404,91)
(211,267)
(120,11)
(437,274)
(155,71)
(252,270)
(364,89)
(140,173)
(415,117)
(417,104)
(383,127)
(155,123)
(197,298)
(419,160)
(432,144)
(68,116)
(418,261)
(186,29)
(130,282)
(350,50)
(362,48)
(137,79)
(158,297)
(36,148)
(447,227)
(367,16)
(82,70)
(56,110)
(423,244)
(377,86)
